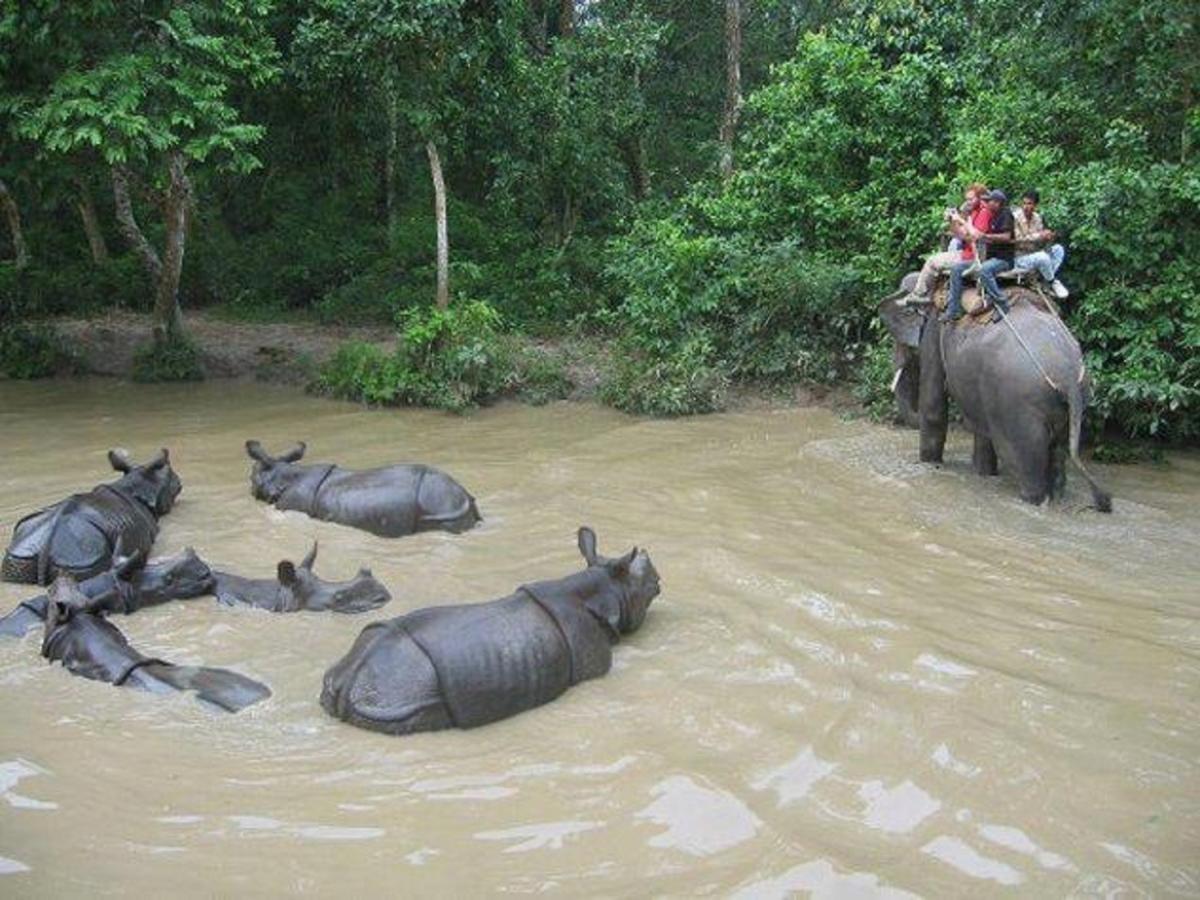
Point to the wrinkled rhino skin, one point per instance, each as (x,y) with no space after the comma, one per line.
(298,588)
(125,588)
(90,646)
(392,501)
(79,536)
(465,666)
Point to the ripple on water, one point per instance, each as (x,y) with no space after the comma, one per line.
(699,821)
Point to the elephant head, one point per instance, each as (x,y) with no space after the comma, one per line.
(155,484)
(905,324)
(636,576)
(271,475)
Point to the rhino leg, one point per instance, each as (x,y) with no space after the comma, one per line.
(220,687)
(28,615)
(445,505)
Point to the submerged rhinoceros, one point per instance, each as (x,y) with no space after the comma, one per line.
(124,588)
(89,645)
(297,587)
(78,536)
(463,666)
(391,501)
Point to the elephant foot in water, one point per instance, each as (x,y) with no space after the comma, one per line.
(90,646)
(983,457)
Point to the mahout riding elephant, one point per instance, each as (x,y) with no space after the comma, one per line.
(89,645)
(391,501)
(78,535)
(463,666)
(297,587)
(126,587)
(1021,386)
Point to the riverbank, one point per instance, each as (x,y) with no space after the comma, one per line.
(293,352)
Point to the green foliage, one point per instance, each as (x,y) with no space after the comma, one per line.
(32,351)
(539,377)
(177,359)
(77,287)
(451,358)
(873,378)
(682,381)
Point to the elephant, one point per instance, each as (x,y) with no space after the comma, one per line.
(468,665)
(390,502)
(78,535)
(296,588)
(1021,386)
(89,645)
(126,587)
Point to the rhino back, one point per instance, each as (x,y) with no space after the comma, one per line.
(381,501)
(386,683)
(92,647)
(495,659)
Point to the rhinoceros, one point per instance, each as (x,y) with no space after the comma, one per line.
(391,501)
(124,588)
(464,666)
(89,645)
(297,587)
(78,535)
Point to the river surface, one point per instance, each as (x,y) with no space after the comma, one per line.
(863,677)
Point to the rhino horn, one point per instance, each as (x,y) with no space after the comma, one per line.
(618,568)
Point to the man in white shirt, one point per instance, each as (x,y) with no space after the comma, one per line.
(1035,244)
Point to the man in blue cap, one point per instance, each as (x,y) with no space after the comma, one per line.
(1000,251)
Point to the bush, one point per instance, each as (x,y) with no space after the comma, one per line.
(32,351)
(451,358)
(681,382)
(539,377)
(176,359)
(873,380)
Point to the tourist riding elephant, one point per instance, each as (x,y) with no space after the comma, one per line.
(124,588)
(296,588)
(78,536)
(463,666)
(91,646)
(391,501)
(1021,386)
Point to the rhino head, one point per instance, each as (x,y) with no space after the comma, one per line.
(176,577)
(272,475)
(155,484)
(633,573)
(302,589)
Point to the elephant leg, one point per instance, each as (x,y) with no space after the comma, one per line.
(1026,453)
(984,456)
(1057,478)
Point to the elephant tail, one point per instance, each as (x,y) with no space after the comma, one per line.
(1076,403)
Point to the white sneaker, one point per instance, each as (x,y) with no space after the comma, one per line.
(1059,289)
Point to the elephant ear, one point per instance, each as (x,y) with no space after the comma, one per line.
(904,322)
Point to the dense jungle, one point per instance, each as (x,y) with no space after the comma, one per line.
(684,196)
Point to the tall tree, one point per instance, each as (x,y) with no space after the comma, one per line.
(147,86)
(733,84)
(12,213)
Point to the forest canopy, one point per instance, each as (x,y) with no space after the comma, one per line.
(723,189)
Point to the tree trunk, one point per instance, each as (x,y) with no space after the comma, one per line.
(633,151)
(389,164)
(91,223)
(439,212)
(168,317)
(733,84)
(13,214)
(566,18)
(129,227)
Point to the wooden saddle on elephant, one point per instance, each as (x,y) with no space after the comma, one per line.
(978,310)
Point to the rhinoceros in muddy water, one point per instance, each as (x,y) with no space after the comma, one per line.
(78,536)
(126,587)
(463,666)
(391,501)
(89,645)
(297,587)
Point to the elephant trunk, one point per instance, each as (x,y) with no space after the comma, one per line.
(1076,403)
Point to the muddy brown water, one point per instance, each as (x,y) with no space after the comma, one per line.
(863,677)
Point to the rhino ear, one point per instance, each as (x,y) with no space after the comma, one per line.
(619,568)
(307,562)
(119,460)
(295,454)
(159,461)
(287,573)
(587,545)
(256,452)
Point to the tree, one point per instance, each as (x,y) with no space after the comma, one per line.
(12,214)
(733,84)
(145,86)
